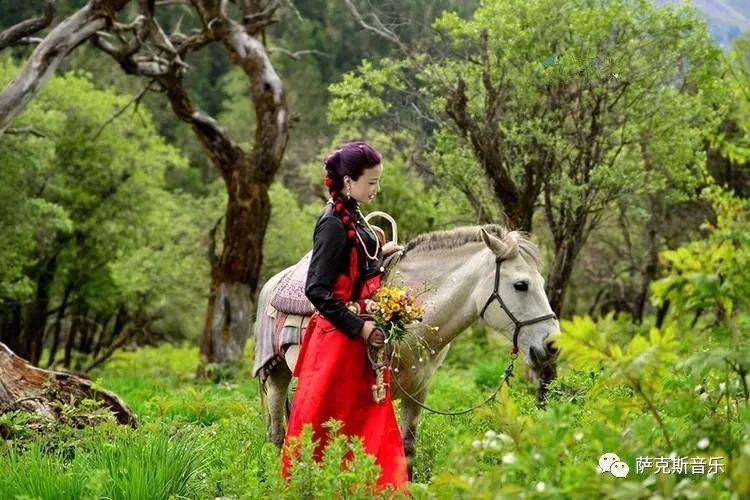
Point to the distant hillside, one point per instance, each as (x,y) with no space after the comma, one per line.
(726,19)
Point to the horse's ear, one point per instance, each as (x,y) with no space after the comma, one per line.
(494,243)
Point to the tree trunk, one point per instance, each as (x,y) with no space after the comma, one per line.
(517,198)
(651,268)
(235,276)
(25,387)
(72,334)
(106,320)
(36,323)
(58,325)
(566,252)
(10,324)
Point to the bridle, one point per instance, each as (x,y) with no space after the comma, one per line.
(513,353)
(517,324)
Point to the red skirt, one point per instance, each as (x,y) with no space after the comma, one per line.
(335,381)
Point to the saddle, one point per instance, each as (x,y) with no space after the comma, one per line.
(289,296)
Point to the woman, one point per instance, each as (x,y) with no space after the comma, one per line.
(335,374)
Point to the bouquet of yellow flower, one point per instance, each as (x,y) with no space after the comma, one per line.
(393,308)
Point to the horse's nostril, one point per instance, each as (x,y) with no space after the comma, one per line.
(551,349)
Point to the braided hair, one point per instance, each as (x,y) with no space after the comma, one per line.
(351,160)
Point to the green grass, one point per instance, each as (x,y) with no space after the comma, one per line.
(203,440)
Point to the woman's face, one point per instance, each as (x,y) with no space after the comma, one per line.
(367,186)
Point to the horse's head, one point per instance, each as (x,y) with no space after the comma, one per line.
(511,299)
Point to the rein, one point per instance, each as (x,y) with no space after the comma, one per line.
(495,296)
(506,379)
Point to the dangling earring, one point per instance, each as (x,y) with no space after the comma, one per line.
(348,192)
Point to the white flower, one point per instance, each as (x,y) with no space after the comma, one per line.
(540,486)
(578,436)
(490,434)
(722,387)
(703,397)
(703,443)
(494,444)
(509,458)
(476,444)
(505,438)
(536,456)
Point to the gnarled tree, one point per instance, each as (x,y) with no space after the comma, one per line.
(143,47)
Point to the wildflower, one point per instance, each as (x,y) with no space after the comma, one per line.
(505,438)
(509,458)
(703,443)
(540,486)
(393,309)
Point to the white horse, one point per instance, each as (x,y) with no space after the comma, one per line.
(460,271)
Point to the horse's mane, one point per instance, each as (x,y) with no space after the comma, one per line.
(517,242)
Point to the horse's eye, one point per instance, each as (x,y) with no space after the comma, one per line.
(521,286)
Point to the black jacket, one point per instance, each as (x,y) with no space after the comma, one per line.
(330,258)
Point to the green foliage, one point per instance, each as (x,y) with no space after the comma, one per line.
(344,471)
(711,275)
(88,200)
(555,67)
(111,463)
(731,139)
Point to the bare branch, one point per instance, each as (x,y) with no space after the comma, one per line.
(135,100)
(379,28)
(132,63)
(269,99)
(24,130)
(191,43)
(266,13)
(48,55)
(258,20)
(28,40)
(296,55)
(29,26)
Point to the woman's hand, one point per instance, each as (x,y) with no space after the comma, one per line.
(372,334)
(391,247)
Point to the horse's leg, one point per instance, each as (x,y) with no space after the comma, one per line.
(277,384)
(410,413)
